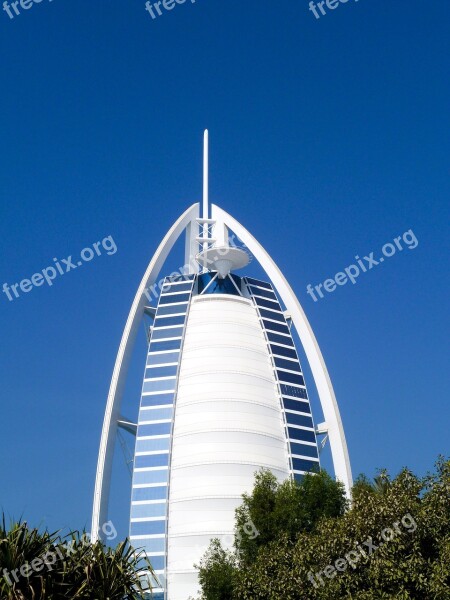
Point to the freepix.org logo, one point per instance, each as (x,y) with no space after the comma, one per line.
(359,553)
(350,273)
(12,8)
(50,558)
(155,10)
(60,267)
(320,9)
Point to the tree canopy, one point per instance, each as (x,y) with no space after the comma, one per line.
(392,542)
(38,565)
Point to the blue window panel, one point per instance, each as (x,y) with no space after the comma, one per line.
(157,476)
(237,280)
(296,405)
(172,310)
(265,293)
(268,304)
(269,325)
(268,314)
(151,460)
(297,477)
(304,450)
(160,385)
(157,399)
(139,511)
(163,371)
(147,527)
(157,564)
(157,595)
(294,419)
(156,346)
(280,339)
(290,390)
(149,493)
(152,445)
(218,286)
(263,284)
(166,321)
(161,359)
(155,429)
(287,364)
(155,415)
(300,464)
(290,377)
(302,435)
(177,287)
(150,545)
(164,332)
(172,298)
(283,351)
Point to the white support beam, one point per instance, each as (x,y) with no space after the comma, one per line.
(321,428)
(127,425)
(150,311)
(191,247)
(220,233)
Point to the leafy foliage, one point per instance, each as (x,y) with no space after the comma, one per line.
(44,566)
(286,508)
(274,511)
(216,572)
(392,543)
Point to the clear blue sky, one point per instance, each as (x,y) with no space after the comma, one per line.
(329,138)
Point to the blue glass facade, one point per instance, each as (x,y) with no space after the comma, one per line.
(300,431)
(148,516)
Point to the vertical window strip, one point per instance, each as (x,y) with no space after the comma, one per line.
(160,365)
(171,313)
(263,313)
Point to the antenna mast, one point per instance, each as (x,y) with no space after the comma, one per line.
(205,187)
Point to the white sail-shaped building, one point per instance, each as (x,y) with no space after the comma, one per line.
(223,396)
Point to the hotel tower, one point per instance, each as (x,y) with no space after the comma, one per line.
(223,395)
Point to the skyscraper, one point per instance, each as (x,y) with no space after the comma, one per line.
(223,396)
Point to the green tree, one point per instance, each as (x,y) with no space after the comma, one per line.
(216,572)
(274,509)
(379,485)
(393,543)
(20,545)
(38,565)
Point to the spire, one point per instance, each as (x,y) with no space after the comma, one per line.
(205,181)
(220,258)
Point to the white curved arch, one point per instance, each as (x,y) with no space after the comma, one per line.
(107,442)
(319,370)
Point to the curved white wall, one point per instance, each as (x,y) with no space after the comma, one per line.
(228,424)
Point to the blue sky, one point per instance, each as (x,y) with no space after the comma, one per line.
(329,138)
